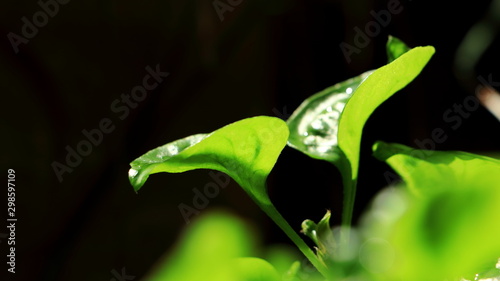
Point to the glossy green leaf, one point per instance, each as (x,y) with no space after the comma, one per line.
(246,150)
(214,248)
(314,128)
(419,167)
(314,124)
(329,124)
(395,48)
(450,229)
(377,88)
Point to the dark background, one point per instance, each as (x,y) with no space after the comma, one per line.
(263,57)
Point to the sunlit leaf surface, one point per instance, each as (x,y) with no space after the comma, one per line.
(329,124)
(246,150)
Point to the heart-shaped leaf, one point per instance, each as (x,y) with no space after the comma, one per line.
(246,150)
(329,124)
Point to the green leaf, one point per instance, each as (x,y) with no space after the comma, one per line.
(491,272)
(450,228)
(321,234)
(377,88)
(329,124)
(282,256)
(293,272)
(395,48)
(420,167)
(255,269)
(245,150)
(314,124)
(444,236)
(221,259)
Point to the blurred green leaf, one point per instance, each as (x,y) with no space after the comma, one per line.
(214,248)
(395,48)
(448,232)
(255,269)
(293,273)
(282,256)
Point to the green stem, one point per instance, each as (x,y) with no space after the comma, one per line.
(271,211)
(349,186)
(347,210)
(349,198)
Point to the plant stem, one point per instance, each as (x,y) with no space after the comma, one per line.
(349,186)
(349,198)
(271,211)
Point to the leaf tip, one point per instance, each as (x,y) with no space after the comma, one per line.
(136,179)
(378,148)
(377,145)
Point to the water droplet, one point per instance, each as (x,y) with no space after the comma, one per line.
(132,173)
(323,149)
(334,115)
(310,140)
(339,106)
(348,90)
(318,124)
(172,150)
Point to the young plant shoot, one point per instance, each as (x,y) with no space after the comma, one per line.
(441,223)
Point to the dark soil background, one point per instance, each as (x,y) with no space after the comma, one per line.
(260,58)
